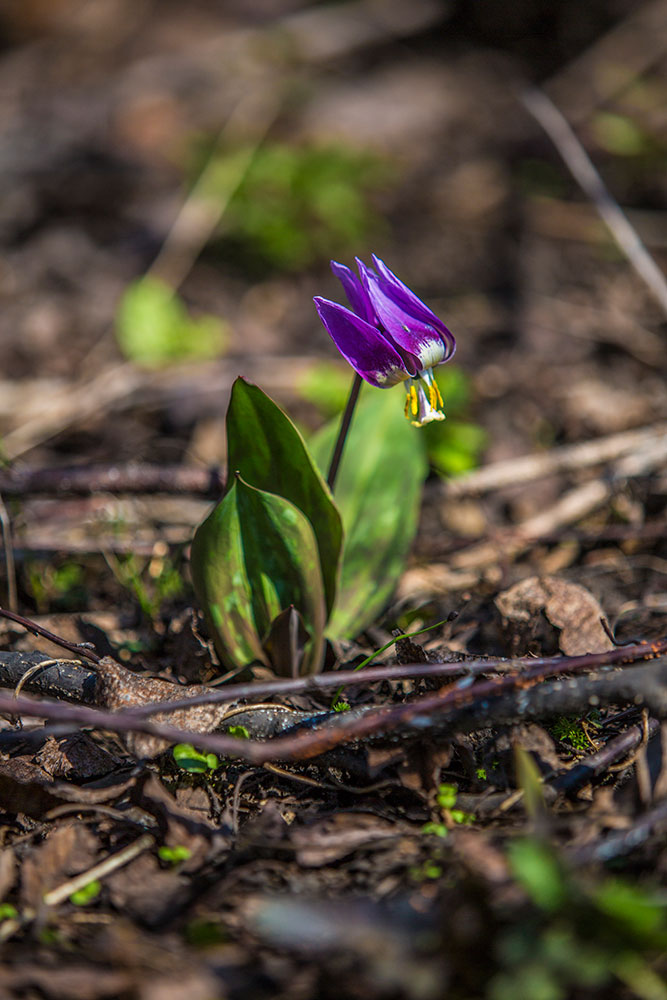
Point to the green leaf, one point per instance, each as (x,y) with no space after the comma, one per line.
(454,447)
(536,867)
(266,448)
(639,912)
(153,327)
(446,796)
(86,894)
(252,558)
(530,782)
(619,135)
(174,855)
(217,564)
(435,830)
(193,760)
(378,492)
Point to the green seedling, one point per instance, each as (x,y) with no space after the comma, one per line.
(435,830)
(174,855)
(86,894)
(189,759)
(446,796)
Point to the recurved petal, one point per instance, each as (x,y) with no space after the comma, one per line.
(362,346)
(411,305)
(355,292)
(419,341)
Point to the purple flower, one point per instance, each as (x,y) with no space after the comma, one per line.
(389,336)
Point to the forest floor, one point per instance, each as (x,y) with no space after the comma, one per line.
(503,834)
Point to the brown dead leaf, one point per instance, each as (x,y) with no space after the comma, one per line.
(27,788)
(184,822)
(77,757)
(480,856)
(146,892)
(536,741)
(70,849)
(337,836)
(567,606)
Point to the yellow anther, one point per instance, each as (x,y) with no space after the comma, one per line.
(411,402)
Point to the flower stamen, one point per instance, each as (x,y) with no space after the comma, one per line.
(424,401)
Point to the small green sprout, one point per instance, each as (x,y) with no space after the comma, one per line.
(240,732)
(431,870)
(86,894)
(435,830)
(446,797)
(174,855)
(459,816)
(341,706)
(481,774)
(568,729)
(192,760)
(8,912)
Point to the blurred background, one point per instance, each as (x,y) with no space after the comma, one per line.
(175,178)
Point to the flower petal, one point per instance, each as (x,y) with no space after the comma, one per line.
(409,323)
(414,305)
(355,292)
(370,354)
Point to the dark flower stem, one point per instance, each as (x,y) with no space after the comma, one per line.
(344,428)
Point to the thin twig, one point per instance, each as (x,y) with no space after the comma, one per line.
(37,668)
(83,649)
(134,478)
(619,843)
(597,764)
(461,707)
(106,867)
(567,458)
(206,203)
(573,153)
(342,433)
(348,678)
(464,566)
(10,565)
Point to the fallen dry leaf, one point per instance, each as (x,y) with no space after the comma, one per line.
(567,606)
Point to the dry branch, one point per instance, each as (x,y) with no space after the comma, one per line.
(461,707)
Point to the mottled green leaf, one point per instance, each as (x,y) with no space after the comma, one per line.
(378,492)
(265,447)
(252,558)
(217,563)
(282,564)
